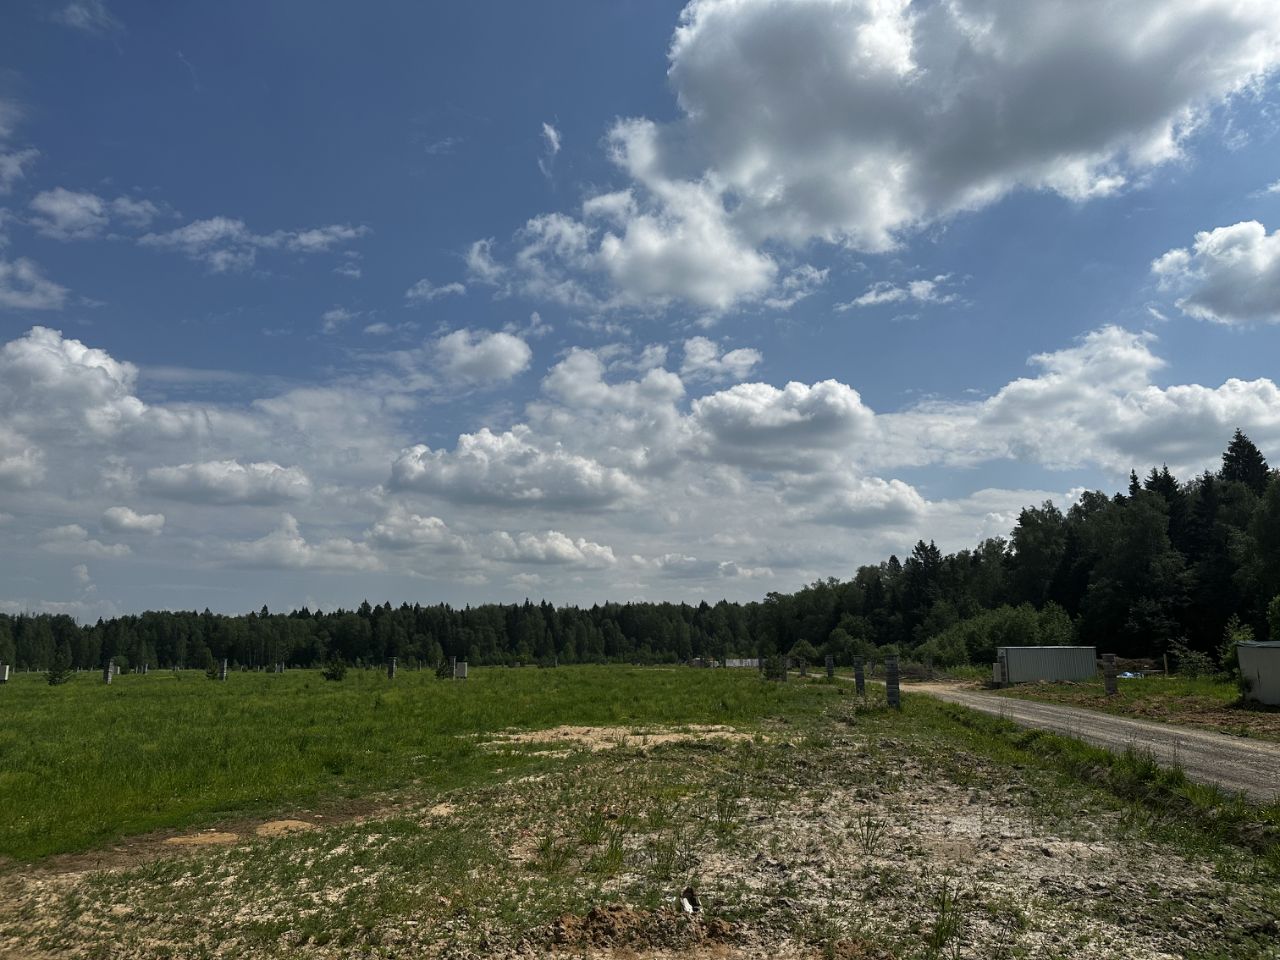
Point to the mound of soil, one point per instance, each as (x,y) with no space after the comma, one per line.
(618,925)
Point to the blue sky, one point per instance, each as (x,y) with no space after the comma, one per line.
(304,303)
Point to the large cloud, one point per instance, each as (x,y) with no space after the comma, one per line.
(552,547)
(853,120)
(758,425)
(50,383)
(229,482)
(402,529)
(509,469)
(1230,275)
(1092,404)
(856,122)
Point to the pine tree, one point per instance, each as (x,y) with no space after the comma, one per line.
(59,671)
(1244,463)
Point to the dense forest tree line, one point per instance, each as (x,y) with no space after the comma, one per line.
(1167,565)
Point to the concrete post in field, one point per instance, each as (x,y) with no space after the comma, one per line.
(453,667)
(891,691)
(786,668)
(222,670)
(859,677)
(1109,673)
(804,667)
(4,673)
(831,667)
(391,669)
(108,671)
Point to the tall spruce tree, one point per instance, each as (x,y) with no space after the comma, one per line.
(1244,463)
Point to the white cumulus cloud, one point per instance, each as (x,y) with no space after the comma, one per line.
(703,359)
(481,357)
(860,122)
(229,482)
(552,547)
(508,469)
(1230,275)
(125,520)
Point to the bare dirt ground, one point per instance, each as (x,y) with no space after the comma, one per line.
(611,738)
(1235,764)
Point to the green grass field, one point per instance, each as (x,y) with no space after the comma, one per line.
(84,763)
(827,825)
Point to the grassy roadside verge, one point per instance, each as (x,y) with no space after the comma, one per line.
(1201,814)
(1203,702)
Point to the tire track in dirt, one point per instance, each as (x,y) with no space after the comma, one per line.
(1232,763)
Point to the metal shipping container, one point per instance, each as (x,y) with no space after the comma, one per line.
(1260,667)
(1028,664)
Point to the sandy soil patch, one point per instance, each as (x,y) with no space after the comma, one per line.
(610,738)
(278,828)
(211,838)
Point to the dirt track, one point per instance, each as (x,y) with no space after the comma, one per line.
(1233,763)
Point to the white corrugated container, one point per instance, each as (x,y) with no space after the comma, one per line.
(1260,667)
(1028,664)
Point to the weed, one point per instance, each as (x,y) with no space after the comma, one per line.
(870,834)
(948,921)
(609,860)
(728,808)
(552,856)
(591,831)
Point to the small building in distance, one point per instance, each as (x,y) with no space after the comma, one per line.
(1029,664)
(1260,669)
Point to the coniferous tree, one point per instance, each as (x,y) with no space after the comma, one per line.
(1244,463)
(59,671)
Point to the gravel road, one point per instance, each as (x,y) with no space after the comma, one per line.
(1233,763)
